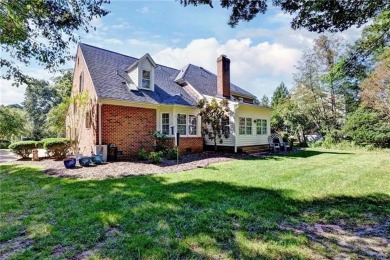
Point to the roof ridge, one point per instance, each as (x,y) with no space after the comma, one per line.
(80,43)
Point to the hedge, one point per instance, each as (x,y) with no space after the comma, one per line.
(41,143)
(23,148)
(57,147)
(4,143)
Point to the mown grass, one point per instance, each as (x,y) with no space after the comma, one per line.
(229,210)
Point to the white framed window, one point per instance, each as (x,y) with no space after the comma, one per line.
(248,126)
(226,126)
(259,126)
(165,123)
(146,79)
(192,124)
(182,124)
(264,126)
(245,126)
(241,127)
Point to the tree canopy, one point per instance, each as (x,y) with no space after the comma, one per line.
(42,30)
(316,16)
(280,93)
(12,122)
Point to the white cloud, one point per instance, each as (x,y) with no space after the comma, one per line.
(121,26)
(10,94)
(144,10)
(253,66)
(97,23)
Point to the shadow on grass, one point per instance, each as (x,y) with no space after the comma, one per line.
(152,217)
(291,154)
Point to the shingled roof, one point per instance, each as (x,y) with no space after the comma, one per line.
(107,70)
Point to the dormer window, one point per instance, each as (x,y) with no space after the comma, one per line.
(146,79)
(141,73)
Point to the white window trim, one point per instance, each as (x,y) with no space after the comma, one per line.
(187,124)
(261,126)
(150,79)
(169,123)
(245,125)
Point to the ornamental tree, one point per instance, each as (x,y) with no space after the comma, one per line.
(215,119)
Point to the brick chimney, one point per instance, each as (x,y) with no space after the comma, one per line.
(223,76)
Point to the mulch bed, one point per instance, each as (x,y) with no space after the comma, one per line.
(125,168)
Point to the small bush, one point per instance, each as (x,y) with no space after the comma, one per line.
(156,157)
(172,154)
(57,147)
(4,144)
(161,140)
(41,143)
(23,148)
(315,144)
(143,155)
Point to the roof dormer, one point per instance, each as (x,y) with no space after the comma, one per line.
(142,72)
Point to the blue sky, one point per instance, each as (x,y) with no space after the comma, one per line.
(263,52)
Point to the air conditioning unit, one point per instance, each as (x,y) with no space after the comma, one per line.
(101,149)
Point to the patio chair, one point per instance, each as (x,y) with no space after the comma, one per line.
(284,143)
(273,143)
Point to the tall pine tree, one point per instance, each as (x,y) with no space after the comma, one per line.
(280,94)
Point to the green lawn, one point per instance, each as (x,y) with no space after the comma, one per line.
(261,208)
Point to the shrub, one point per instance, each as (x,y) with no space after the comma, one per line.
(162,141)
(41,143)
(315,144)
(23,148)
(4,144)
(143,155)
(57,147)
(156,157)
(172,154)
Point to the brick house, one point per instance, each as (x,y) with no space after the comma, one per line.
(129,98)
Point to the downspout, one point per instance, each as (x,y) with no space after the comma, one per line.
(100,126)
(235,127)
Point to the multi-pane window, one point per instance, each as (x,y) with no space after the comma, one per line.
(146,79)
(192,125)
(182,124)
(258,126)
(241,127)
(165,123)
(248,126)
(264,126)
(261,126)
(226,126)
(245,126)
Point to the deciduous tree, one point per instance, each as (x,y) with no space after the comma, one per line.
(12,123)
(317,16)
(42,30)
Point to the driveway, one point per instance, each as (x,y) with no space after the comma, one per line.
(7,156)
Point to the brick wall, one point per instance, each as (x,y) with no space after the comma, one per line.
(88,135)
(128,128)
(189,144)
